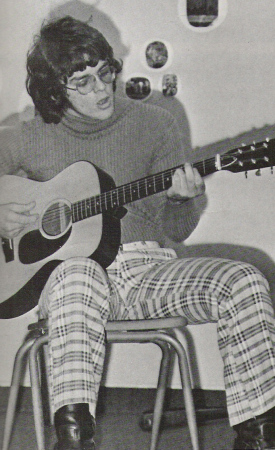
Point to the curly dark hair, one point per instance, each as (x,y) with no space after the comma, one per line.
(64,46)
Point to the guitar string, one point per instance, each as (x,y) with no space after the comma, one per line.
(96,202)
(125,190)
(101,202)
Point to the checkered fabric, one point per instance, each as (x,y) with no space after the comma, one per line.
(146,281)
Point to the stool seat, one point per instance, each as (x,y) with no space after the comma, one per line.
(126,325)
(147,324)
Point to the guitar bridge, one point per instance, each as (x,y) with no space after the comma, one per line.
(7,245)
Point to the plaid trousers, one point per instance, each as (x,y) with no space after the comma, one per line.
(146,281)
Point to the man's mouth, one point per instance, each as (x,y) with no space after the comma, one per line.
(104,102)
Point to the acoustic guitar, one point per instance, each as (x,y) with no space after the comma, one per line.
(79,215)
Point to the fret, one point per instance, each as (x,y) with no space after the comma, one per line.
(77,218)
(114,198)
(134,191)
(167,180)
(98,204)
(73,214)
(88,208)
(105,201)
(79,211)
(95,204)
(163,182)
(142,187)
(83,210)
(137,191)
(150,185)
(154,183)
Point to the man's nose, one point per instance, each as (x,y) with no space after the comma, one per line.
(99,84)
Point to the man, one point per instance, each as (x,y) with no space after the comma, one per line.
(71,79)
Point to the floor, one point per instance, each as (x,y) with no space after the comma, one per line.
(118,416)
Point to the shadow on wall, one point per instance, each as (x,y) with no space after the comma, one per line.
(246,254)
(102,21)
(105,24)
(250,255)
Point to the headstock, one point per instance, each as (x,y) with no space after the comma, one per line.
(248,157)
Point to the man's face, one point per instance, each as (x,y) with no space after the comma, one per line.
(97,104)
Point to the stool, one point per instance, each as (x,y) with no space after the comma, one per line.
(158,331)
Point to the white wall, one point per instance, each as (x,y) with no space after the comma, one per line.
(227,86)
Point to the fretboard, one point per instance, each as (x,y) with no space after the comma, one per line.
(130,192)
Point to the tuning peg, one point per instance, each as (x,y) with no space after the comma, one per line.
(271,169)
(267,139)
(258,173)
(245,173)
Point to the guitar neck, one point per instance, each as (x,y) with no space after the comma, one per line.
(133,191)
(242,159)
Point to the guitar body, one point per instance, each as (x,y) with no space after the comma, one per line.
(27,261)
(79,215)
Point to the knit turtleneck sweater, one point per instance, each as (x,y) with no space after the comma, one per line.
(138,140)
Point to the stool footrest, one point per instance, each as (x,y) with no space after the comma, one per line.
(177,417)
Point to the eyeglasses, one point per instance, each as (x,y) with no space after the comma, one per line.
(88,82)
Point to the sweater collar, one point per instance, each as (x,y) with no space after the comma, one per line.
(86,125)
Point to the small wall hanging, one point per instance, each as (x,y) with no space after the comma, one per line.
(169,85)
(156,54)
(138,87)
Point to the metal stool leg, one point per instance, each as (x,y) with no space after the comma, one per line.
(36,391)
(47,384)
(157,336)
(160,395)
(187,389)
(14,389)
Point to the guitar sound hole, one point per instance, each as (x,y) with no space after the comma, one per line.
(56,219)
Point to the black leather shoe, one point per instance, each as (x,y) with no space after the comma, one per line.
(256,434)
(75,428)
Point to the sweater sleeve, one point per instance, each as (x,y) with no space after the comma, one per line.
(177,221)
(10,145)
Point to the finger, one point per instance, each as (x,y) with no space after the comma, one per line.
(179,184)
(193,178)
(12,232)
(16,232)
(199,182)
(23,208)
(189,173)
(22,219)
(178,178)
